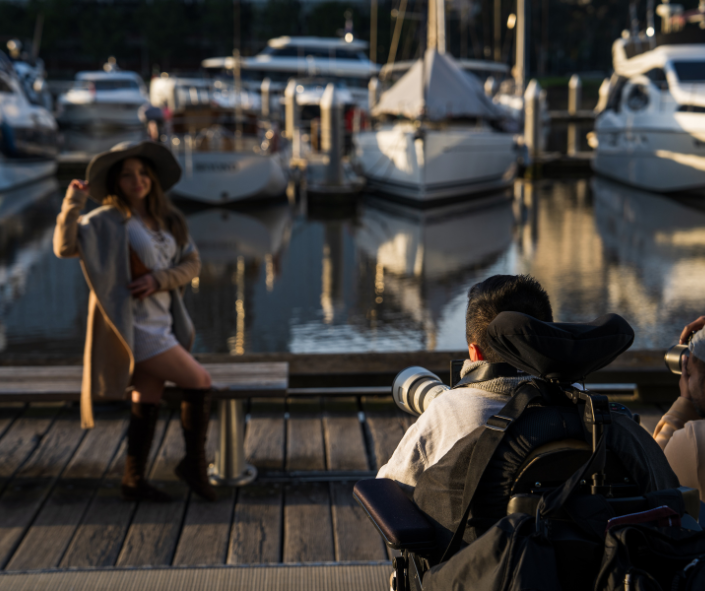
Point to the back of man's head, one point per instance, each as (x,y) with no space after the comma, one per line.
(502,293)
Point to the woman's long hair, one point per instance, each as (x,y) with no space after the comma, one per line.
(157,203)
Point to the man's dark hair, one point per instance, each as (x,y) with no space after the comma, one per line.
(502,293)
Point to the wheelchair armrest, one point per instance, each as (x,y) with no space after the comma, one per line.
(399,521)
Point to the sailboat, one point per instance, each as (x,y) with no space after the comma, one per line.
(437,135)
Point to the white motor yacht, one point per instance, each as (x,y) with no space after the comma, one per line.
(332,59)
(437,137)
(651,132)
(28,133)
(103,100)
(219,166)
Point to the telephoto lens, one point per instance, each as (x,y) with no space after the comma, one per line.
(674,356)
(415,387)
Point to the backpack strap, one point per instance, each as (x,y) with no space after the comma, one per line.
(489,441)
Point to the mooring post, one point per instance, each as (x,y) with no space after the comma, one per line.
(292,124)
(332,134)
(265,90)
(230,467)
(532,120)
(575,97)
(373,93)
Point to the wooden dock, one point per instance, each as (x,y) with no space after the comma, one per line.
(59,489)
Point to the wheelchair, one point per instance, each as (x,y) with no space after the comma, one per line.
(556,435)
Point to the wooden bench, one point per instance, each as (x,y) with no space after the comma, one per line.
(231,384)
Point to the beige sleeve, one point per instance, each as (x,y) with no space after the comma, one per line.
(675,418)
(66,230)
(683,452)
(188,268)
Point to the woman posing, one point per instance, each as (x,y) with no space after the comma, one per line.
(136,254)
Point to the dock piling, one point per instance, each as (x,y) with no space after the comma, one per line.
(532,120)
(265,90)
(292,123)
(332,134)
(575,96)
(373,92)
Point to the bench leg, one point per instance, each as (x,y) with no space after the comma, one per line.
(230,468)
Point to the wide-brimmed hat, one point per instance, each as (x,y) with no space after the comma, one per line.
(165,165)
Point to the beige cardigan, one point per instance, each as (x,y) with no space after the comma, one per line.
(100,239)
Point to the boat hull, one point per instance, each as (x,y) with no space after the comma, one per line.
(100,115)
(428,166)
(663,161)
(217,178)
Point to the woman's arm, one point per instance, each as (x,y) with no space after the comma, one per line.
(66,230)
(188,268)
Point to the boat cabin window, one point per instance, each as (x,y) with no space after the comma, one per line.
(690,71)
(658,77)
(638,98)
(107,85)
(314,52)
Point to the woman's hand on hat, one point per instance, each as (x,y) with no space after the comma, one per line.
(77,190)
(143,287)
(694,326)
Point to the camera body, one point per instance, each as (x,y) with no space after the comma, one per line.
(674,356)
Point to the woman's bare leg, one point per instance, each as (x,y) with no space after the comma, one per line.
(175,365)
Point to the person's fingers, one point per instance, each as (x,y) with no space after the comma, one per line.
(693,326)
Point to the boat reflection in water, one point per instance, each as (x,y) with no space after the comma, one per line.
(657,246)
(236,249)
(425,260)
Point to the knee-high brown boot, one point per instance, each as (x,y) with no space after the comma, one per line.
(140,432)
(195,413)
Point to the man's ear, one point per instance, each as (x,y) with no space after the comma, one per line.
(475,352)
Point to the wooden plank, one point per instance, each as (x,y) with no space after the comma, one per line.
(99,537)
(23,437)
(304,435)
(48,537)
(308,531)
(8,414)
(344,436)
(355,536)
(384,427)
(25,494)
(155,528)
(265,434)
(256,535)
(204,536)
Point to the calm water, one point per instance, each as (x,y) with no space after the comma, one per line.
(378,276)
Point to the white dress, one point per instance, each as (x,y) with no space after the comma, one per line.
(152,316)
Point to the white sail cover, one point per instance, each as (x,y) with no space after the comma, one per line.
(436,88)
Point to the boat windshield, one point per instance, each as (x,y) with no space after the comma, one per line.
(690,71)
(114,84)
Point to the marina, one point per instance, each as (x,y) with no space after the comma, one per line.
(347,175)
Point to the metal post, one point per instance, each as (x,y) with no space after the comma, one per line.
(237,145)
(230,468)
(575,94)
(292,123)
(373,93)
(521,61)
(532,120)
(441,25)
(432,28)
(332,134)
(265,90)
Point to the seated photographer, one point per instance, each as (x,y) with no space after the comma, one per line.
(681,431)
(460,411)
